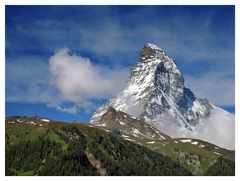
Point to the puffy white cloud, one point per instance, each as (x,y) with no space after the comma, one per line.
(67,83)
(80,82)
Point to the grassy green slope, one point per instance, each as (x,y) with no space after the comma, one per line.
(76,149)
(195,158)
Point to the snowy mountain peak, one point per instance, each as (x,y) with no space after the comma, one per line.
(152,52)
(155,93)
(153,47)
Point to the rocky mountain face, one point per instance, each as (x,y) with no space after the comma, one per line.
(129,127)
(155,93)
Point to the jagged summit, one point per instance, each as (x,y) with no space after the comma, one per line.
(155,93)
(149,51)
(153,46)
(154,74)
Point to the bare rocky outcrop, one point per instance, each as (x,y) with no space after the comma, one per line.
(129,127)
(96,164)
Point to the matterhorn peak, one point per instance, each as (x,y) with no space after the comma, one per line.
(155,93)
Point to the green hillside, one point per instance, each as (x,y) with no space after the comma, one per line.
(56,148)
(34,147)
(199,158)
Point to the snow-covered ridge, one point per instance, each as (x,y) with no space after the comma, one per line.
(154,47)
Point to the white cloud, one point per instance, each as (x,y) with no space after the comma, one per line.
(80,82)
(219,129)
(68,83)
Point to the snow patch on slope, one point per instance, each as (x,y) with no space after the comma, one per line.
(185,141)
(150,142)
(45,120)
(216,153)
(194,143)
(122,123)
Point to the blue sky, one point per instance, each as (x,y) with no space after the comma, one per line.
(106,41)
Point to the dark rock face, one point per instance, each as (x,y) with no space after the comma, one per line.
(147,53)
